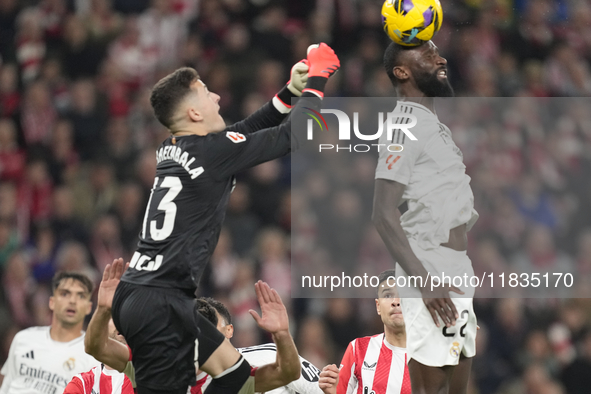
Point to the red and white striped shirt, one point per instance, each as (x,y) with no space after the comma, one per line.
(372,366)
(100,380)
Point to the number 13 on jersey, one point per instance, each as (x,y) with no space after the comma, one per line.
(158,204)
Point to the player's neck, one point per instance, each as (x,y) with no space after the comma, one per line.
(62,333)
(180,129)
(395,336)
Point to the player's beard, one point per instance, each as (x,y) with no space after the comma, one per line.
(432,86)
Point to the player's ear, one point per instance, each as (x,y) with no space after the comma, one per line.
(378,306)
(402,73)
(51,303)
(194,114)
(229,331)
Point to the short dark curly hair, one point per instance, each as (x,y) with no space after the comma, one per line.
(217,306)
(170,91)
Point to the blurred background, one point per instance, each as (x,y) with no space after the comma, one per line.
(77,143)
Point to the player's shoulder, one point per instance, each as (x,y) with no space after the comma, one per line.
(407,112)
(33,333)
(226,137)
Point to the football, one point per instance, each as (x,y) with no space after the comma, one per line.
(411,22)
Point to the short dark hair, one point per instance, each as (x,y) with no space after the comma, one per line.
(220,308)
(64,275)
(392,59)
(383,276)
(169,92)
(206,310)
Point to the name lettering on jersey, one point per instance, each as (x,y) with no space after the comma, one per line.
(310,372)
(175,153)
(142,262)
(235,137)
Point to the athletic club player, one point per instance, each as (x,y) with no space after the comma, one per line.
(104,379)
(376,364)
(154,305)
(428,178)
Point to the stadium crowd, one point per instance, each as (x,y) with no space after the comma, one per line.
(77,142)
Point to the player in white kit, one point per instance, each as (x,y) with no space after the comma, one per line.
(44,359)
(428,178)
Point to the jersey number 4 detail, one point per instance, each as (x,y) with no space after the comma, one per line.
(166,204)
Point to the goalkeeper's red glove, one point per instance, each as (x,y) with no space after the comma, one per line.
(323,63)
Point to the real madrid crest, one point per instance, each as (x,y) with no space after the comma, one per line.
(70,364)
(455,349)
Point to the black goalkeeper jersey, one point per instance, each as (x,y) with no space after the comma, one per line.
(194,179)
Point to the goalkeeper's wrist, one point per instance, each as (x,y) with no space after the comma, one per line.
(282,100)
(315,85)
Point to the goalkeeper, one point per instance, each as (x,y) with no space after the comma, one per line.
(153,306)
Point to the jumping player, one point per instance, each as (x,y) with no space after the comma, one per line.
(153,306)
(375,364)
(428,179)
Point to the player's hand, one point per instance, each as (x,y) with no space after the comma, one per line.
(299,77)
(329,379)
(274,315)
(323,61)
(111,278)
(439,303)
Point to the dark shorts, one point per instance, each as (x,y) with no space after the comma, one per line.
(161,327)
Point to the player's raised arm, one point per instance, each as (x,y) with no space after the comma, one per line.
(275,111)
(230,152)
(386,218)
(97,342)
(274,319)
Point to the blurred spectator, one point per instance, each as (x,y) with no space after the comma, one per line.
(34,192)
(8,242)
(95,194)
(129,209)
(64,162)
(66,226)
(42,253)
(88,118)
(541,255)
(9,94)
(29,42)
(52,76)
(12,158)
(120,149)
(103,23)
(38,114)
(273,259)
(576,377)
(19,288)
(73,256)
(240,222)
(223,264)
(81,57)
(105,242)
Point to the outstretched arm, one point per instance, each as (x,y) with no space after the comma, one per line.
(286,367)
(97,342)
